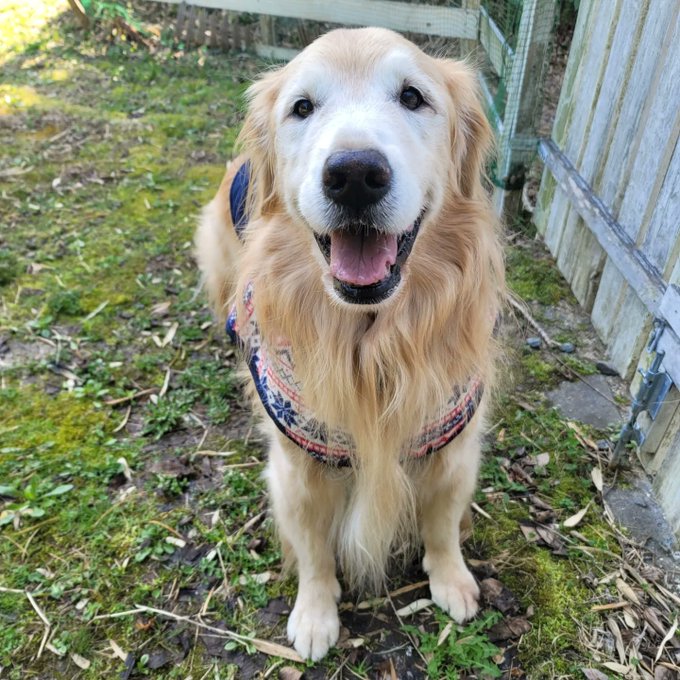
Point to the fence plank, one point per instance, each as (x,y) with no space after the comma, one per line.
(583,75)
(628,131)
(493,41)
(448,22)
(662,241)
(580,257)
(659,125)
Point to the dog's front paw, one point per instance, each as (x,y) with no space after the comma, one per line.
(456,592)
(314,626)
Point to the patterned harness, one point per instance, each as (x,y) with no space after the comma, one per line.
(273,372)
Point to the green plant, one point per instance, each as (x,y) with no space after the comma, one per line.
(465,648)
(33,501)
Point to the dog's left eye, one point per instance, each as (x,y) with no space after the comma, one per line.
(303,108)
(411,98)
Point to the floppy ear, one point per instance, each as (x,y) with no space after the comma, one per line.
(257,143)
(472,139)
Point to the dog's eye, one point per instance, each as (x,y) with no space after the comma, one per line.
(303,108)
(411,98)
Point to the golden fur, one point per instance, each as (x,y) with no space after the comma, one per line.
(381,372)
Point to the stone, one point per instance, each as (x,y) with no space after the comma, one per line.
(534,343)
(590,401)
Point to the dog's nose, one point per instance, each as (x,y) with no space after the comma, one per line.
(356,179)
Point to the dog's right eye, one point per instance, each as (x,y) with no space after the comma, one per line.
(303,108)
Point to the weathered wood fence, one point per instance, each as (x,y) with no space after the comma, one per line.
(609,203)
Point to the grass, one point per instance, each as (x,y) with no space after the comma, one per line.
(128,471)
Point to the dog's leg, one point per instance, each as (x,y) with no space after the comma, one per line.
(305,500)
(445,493)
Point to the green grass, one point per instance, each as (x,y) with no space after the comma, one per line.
(115,386)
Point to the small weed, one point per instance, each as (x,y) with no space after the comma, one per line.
(167,413)
(466,648)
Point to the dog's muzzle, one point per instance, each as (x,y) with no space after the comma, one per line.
(365,262)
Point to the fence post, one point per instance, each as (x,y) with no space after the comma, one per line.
(517,143)
(468,48)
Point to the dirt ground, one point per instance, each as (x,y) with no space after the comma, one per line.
(134,534)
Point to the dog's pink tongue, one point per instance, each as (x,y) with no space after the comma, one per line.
(362,259)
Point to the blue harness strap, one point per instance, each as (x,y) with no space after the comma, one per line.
(238,195)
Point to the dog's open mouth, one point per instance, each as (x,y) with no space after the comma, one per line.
(365,263)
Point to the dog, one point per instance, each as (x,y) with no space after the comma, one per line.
(353,252)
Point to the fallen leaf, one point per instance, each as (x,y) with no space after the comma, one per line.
(667,637)
(289,673)
(592,674)
(509,629)
(575,520)
(618,640)
(627,591)
(542,459)
(617,668)
(15,172)
(169,336)
(117,650)
(446,631)
(161,309)
(273,649)
(414,607)
(596,476)
(173,540)
(80,661)
(498,596)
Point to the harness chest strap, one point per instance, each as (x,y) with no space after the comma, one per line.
(273,372)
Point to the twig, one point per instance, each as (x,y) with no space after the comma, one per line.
(136,395)
(124,422)
(532,322)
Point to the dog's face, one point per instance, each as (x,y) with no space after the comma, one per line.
(365,137)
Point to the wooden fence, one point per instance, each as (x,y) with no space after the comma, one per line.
(609,203)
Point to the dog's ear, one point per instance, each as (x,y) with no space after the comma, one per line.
(256,141)
(472,139)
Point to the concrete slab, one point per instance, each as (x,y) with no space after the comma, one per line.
(591,402)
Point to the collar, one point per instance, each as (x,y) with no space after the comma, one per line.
(273,372)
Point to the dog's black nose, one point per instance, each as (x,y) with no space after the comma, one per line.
(356,179)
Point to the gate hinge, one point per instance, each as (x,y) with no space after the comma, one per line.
(650,396)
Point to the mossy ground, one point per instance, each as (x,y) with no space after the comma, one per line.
(108,153)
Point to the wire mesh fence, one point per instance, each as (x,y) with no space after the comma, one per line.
(510,40)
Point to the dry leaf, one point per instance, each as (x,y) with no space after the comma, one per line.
(117,650)
(542,459)
(173,540)
(618,640)
(446,631)
(630,618)
(509,629)
(289,673)
(161,309)
(80,661)
(667,637)
(596,476)
(627,591)
(414,607)
(617,668)
(592,674)
(575,520)
(272,649)
(169,336)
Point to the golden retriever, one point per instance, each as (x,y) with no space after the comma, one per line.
(364,290)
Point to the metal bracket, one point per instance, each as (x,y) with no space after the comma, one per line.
(650,396)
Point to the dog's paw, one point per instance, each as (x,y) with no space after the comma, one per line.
(456,592)
(314,627)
